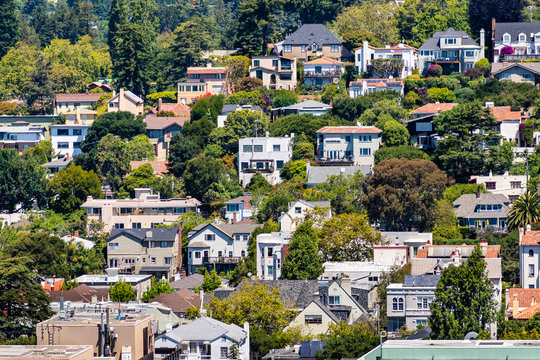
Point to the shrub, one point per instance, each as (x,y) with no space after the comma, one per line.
(441,95)
(434,71)
(507,50)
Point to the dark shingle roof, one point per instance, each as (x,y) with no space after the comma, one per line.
(296,293)
(308,34)
(465,205)
(229,108)
(165,234)
(516,28)
(433,42)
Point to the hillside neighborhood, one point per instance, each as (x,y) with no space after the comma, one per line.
(269,179)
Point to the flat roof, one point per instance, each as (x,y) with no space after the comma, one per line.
(95,318)
(43,351)
(354,266)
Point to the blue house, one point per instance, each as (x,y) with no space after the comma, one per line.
(482,210)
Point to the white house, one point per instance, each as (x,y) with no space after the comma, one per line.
(522,37)
(218,246)
(271,251)
(529,258)
(307,107)
(66,139)
(265,155)
(511,186)
(298,210)
(205,338)
(363,87)
(322,71)
(21,138)
(229,108)
(360,272)
(412,240)
(238,209)
(348,145)
(365,55)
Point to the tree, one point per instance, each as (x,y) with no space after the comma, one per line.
(23,300)
(201,173)
(40,154)
(395,134)
(434,71)
(441,95)
(158,287)
(140,148)
(343,192)
(120,123)
(207,107)
(453,192)
(294,170)
(284,98)
(524,211)
(240,124)
(141,177)
(303,150)
(383,111)
(500,157)
(70,187)
(256,24)
(211,282)
(9,25)
(349,341)
(303,261)
(348,237)
(401,193)
(463,299)
(122,292)
(399,152)
(112,160)
(181,150)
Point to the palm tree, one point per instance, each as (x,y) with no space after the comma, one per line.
(524,211)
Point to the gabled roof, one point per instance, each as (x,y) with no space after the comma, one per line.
(83,97)
(160,168)
(128,95)
(324,309)
(307,104)
(189,282)
(229,108)
(178,109)
(323,61)
(531,238)
(82,293)
(206,329)
(295,293)
(434,108)
(497,68)
(523,296)
(309,34)
(227,229)
(206,70)
(516,28)
(154,122)
(179,301)
(165,234)
(433,42)
(349,130)
(465,205)
(312,204)
(504,113)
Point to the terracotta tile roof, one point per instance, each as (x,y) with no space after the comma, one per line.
(206,70)
(503,113)
(421,253)
(523,296)
(434,108)
(78,97)
(154,122)
(160,167)
(527,313)
(179,301)
(324,61)
(377,82)
(349,130)
(492,251)
(531,238)
(177,109)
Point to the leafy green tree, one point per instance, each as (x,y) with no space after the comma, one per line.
(294,170)
(349,341)
(382,111)
(211,282)
(453,192)
(301,124)
(303,150)
(303,261)
(524,211)
(40,154)
(441,95)
(199,131)
(120,123)
(157,287)
(501,157)
(463,300)
(70,187)
(348,237)
(284,98)
(201,173)
(192,312)
(510,257)
(141,177)
(343,192)
(278,200)
(9,25)
(140,148)
(205,107)
(112,160)
(256,23)
(400,152)
(181,150)
(23,300)
(122,292)
(395,134)
(240,124)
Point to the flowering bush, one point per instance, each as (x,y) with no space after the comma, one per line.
(507,50)
(434,71)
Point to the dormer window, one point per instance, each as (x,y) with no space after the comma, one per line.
(522,38)
(506,38)
(314,47)
(450,41)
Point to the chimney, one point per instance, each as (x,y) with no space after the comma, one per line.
(159,105)
(149,234)
(483,243)
(89,197)
(284,252)
(533,301)
(234,219)
(121,100)
(493,24)
(482,42)
(478,193)
(515,306)
(346,284)
(521,233)
(267,134)
(528,227)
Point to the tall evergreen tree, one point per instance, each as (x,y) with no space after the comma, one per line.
(9,25)
(482,11)
(303,261)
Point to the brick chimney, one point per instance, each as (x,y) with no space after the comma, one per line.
(159,105)
(515,306)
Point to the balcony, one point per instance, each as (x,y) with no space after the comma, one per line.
(519,57)
(335,162)
(221,259)
(443,60)
(261,170)
(322,74)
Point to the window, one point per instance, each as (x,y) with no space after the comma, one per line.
(397,304)
(490,185)
(531,269)
(113,246)
(274,63)
(450,41)
(256,63)
(348,138)
(136,225)
(167,260)
(469,53)
(220,253)
(334,300)
(531,286)
(118,226)
(189,255)
(196,76)
(179,210)
(153,260)
(297,210)
(77,131)
(223,352)
(373,278)
(209,237)
(77,145)
(62,132)
(144,259)
(531,253)
(527,76)
(63,145)
(276,147)
(237,237)
(279,164)
(285,77)
(334,48)
(506,38)
(270,270)
(365,151)
(522,38)
(219,76)
(303,48)
(243,253)
(421,322)
(230,254)
(287,48)
(423,302)
(314,47)
(245,165)
(163,244)
(400,303)
(197,254)
(313,319)
(245,237)
(318,69)
(270,251)
(515,184)
(257,148)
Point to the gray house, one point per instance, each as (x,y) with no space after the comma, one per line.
(482,210)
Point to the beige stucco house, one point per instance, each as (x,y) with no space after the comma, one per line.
(126,101)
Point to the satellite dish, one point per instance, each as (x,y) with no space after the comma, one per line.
(471,335)
(420,334)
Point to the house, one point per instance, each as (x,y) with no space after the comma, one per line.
(454,349)
(304,107)
(527,72)
(144,211)
(432,109)
(146,251)
(160,130)
(451,49)
(104,85)
(364,272)
(522,37)
(276,72)
(307,350)
(80,116)
(238,209)
(529,258)
(522,304)
(295,294)
(265,155)
(44,352)
(348,145)
(412,240)
(124,336)
(482,210)
(125,100)
(202,81)
(405,54)
(511,186)
(298,210)
(177,109)
(312,40)
(192,281)
(161,168)
(66,139)
(21,138)
(422,131)
(205,338)
(229,108)
(76,240)
(272,249)
(179,301)
(82,293)
(322,71)
(508,122)
(71,102)
(316,175)
(56,165)
(408,304)
(218,246)
(139,282)
(363,87)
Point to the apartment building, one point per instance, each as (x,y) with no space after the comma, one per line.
(144,211)
(276,72)
(272,249)
(202,81)
(367,54)
(322,71)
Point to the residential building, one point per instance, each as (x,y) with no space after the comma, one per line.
(144,211)
(316,175)
(229,108)
(218,246)
(306,106)
(451,49)
(298,210)
(238,209)
(265,155)
(76,240)
(205,338)
(322,71)
(527,72)
(140,282)
(129,335)
(508,122)
(529,258)
(125,100)
(11,218)
(432,109)
(80,116)
(522,304)
(80,294)
(366,55)
(56,165)
(348,145)
(28,120)
(178,109)
(272,249)
(522,37)
(482,210)
(160,130)
(363,87)
(193,281)
(276,72)
(161,168)
(179,301)
(71,102)
(364,272)
(413,240)
(307,350)
(454,350)
(408,304)
(420,126)
(104,85)
(202,81)
(157,252)
(21,138)
(511,186)
(46,352)
(66,139)
(312,40)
